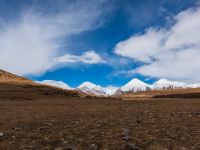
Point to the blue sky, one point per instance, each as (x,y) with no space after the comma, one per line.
(107,42)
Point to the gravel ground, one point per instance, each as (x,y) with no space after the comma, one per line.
(99,123)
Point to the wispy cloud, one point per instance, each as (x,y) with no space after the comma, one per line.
(89,57)
(30,43)
(172,53)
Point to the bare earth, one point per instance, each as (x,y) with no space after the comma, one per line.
(98,123)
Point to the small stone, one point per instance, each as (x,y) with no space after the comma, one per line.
(95,147)
(126,138)
(131,146)
(182,148)
(17,128)
(1,134)
(126,134)
(126,131)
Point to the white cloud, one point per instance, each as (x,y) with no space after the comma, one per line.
(185,32)
(141,47)
(179,65)
(89,57)
(172,53)
(30,43)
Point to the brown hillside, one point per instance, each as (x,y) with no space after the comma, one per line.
(175,93)
(9,77)
(13,87)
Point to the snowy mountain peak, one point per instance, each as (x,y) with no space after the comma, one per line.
(135,85)
(87,84)
(137,82)
(59,84)
(91,88)
(167,84)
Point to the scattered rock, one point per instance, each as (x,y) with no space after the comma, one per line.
(182,148)
(126,138)
(131,146)
(196,114)
(126,134)
(1,134)
(95,147)
(17,128)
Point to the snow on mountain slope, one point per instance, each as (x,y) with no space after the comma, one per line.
(59,84)
(167,84)
(91,88)
(110,90)
(135,85)
(194,85)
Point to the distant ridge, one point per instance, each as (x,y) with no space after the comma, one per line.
(163,84)
(9,77)
(54,83)
(133,86)
(15,87)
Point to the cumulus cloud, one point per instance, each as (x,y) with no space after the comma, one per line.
(89,57)
(172,53)
(141,47)
(31,42)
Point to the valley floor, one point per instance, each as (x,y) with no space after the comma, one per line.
(85,124)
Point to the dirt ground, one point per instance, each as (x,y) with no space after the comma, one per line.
(92,124)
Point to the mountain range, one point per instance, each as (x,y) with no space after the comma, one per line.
(134,88)
(135,85)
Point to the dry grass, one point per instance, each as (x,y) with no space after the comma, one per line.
(62,122)
(12,78)
(175,93)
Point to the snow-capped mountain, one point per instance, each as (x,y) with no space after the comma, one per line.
(167,84)
(59,84)
(91,88)
(135,85)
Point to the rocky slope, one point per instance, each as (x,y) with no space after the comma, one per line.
(9,77)
(13,87)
